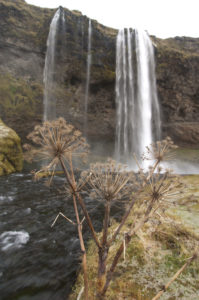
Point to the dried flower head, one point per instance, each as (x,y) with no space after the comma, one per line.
(161,150)
(108,180)
(53,141)
(163,188)
(160,191)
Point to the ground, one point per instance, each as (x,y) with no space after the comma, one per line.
(155,254)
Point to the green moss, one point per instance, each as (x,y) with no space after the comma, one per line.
(17,12)
(5,166)
(21,103)
(136,250)
(18,95)
(11,156)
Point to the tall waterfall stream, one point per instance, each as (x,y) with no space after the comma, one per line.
(138,113)
(88,71)
(49,68)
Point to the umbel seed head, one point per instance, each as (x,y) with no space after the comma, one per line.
(54,141)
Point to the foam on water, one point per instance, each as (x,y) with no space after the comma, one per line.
(6,198)
(13,239)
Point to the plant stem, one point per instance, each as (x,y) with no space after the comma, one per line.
(114,264)
(81,202)
(103,251)
(106,223)
(79,228)
(194,256)
(120,250)
(130,207)
(84,261)
(122,222)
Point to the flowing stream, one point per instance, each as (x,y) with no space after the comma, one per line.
(138,114)
(39,262)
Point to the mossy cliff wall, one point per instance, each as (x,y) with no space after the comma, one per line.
(23,34)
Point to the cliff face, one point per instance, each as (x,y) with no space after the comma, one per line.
(178,88)
(23,34)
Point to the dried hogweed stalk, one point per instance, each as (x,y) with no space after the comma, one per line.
(53,141)
(161,187)
(161,191)
(108,180)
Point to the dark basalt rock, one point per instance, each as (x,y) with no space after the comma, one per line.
(178,88)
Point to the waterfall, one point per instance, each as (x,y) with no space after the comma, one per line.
(138,113)
(49,68)
(89,58)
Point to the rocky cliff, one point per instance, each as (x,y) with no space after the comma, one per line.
(177,63)
(23,34)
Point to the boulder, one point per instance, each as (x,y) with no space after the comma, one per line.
(11,156)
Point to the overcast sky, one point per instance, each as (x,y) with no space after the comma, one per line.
(163,18)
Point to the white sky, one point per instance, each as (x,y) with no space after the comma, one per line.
(163,18)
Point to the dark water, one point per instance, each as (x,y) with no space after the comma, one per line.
(36,261)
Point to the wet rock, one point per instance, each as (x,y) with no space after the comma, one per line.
(11,157)
(177,61)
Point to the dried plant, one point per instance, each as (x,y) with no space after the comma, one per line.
(154,189)
(161,150)
(148,193)
(109,180)
(162,189)
(55,142)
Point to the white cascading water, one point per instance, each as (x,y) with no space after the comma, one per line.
(138,114)
(49,68)
(88,71)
